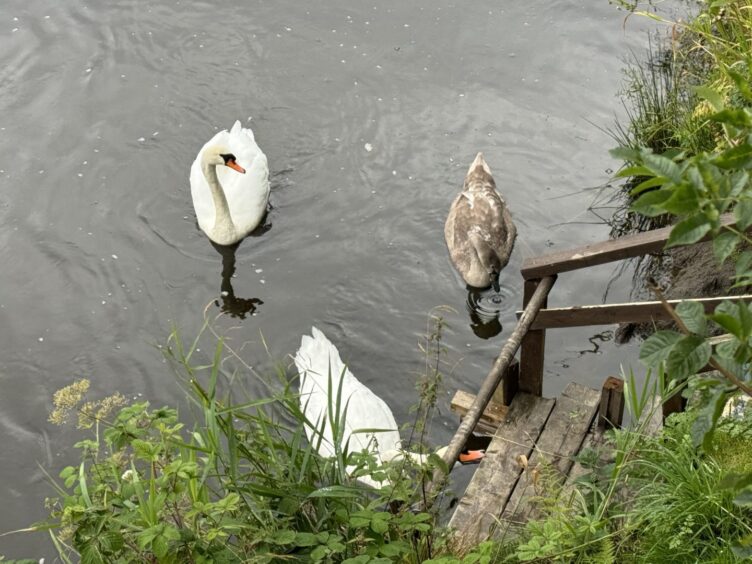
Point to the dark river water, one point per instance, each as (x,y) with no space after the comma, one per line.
(369,114)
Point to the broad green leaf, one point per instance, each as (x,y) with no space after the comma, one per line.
(657,347)
(727,349)
(743,263)
(738,182)
(647,184)
(742,548)
(738,157)
(684,199)
(704,424)
(627,154)
(695,178)
(713,96)
(736,481)
(743,214)
(742,84)
(336,492)
(160,547)
(693,316)
(724,245)
(734,117)
(359,521)
(687,357)
(394,549)
(652,203)
(306,539)
(730,364)
(745,318)
(662,166)
(711,175)
(636,171)
(689,231)
(744,498)
(728,321)
(362,559)
(379,526)
(284,536)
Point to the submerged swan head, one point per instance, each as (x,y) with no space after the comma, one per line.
(220,155)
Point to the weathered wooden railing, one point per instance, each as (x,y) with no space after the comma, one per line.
(532,355)
(539,275)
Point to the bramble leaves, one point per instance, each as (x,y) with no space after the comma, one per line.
(689,231)
(724,245)
(692,315)
(688,356)
(657,347)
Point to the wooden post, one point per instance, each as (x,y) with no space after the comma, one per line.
(533,348)
(510,383)
(492,379)
(612,403)
(674,404)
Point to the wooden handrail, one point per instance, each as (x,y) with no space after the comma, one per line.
(601,253)
(607,314)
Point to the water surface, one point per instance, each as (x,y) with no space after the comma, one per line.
(369,114)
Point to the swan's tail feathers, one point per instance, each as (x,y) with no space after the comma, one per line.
(318,357)
(236,127)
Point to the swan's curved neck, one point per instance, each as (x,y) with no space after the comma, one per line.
(222,217)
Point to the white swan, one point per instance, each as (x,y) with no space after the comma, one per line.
(230,205)
(315,360)
(479,231)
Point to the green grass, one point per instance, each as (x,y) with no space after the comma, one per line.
(242,484)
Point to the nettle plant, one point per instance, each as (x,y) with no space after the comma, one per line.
(698,190)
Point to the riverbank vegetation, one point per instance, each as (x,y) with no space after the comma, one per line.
(242,484)
(684,495)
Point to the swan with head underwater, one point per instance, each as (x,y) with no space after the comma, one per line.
(315,360)
(479,230)
(230,185)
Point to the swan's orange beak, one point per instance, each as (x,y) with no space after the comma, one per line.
(471,456)
(235,166)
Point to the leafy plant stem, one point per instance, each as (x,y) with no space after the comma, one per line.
(683,328)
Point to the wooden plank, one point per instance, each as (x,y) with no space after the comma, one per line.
(611,408)
(608,314)
(510,383)
(554,452)
(675,404)
(491,417)
(494,480)
(601,253)
(532,354)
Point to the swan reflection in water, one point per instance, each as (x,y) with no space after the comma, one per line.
(484,307)
(231,304)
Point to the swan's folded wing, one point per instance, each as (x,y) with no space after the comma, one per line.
(317,359)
